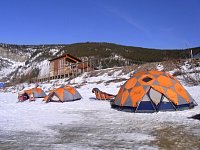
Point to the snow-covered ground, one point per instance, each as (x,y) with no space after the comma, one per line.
(92,124)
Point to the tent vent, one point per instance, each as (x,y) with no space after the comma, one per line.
(147,79)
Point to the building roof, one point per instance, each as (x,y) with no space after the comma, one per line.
(67,55)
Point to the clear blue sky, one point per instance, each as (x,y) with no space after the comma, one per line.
(146,23)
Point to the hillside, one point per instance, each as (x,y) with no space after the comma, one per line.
(104,50)
(22,62)
(18,61)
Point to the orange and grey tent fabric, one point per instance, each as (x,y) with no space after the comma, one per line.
(63,94)
(102,95)
(152,91)
(36,92)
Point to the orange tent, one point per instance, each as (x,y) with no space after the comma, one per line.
(152,91)
(36,92)
(63,94)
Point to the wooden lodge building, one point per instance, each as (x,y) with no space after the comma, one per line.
(67,66)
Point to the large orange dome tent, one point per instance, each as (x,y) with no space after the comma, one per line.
(152,91)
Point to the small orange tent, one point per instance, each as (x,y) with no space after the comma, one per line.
(152,91)
(63,94)
(36,92)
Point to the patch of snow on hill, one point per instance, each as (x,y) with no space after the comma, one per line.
(159,67)
(44,69)
(102,76)
(4,72)
(54,51)
(36,56)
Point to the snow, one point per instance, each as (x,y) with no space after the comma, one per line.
(107,75)
(7,70)
(54,51)
(93,123)
(36,56)
(159,67)
(30,116)
(44,68)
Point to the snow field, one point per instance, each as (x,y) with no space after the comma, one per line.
(92,124)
